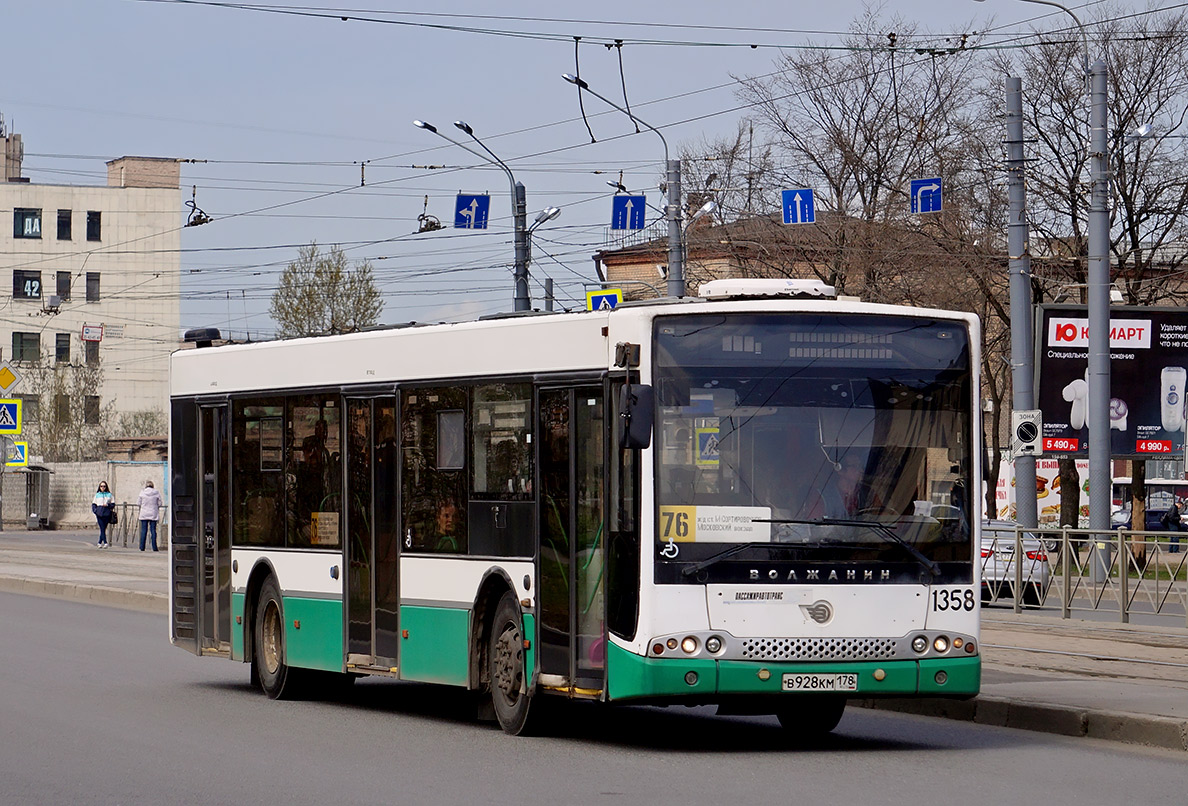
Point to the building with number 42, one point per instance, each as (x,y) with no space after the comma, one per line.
(93,309)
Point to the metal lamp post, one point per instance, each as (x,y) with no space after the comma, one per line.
(1098,275)
(522,301)
(676,262)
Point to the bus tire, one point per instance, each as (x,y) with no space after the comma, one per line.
(276,678)
(506,664)
(811,715)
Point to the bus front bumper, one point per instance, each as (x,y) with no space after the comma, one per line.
(631,677)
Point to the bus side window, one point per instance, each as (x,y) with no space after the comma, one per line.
(433,500)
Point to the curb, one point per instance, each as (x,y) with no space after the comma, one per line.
(143,601)
(1152,731)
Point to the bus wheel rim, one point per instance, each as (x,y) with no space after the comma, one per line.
(272,639)
(508,671)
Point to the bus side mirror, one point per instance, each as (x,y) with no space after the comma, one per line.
(635,413)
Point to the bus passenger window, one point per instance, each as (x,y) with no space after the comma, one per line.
(314,471)
(433,500)
(257,492)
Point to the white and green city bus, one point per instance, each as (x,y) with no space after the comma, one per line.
(717,500)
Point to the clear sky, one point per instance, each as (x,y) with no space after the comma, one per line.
(283,105)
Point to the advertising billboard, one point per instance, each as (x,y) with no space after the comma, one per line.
(1047,492)
(1148,376)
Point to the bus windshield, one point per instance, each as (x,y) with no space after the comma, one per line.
(813,437)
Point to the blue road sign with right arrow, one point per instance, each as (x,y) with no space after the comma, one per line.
(471,211)
(926,195)
(798,206)
(627,212)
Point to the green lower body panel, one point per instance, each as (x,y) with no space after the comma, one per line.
(630,676)
(530,653)
(238,625)
(962,677)
(435,645)
(313,633)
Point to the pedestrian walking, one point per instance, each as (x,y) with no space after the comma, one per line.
(150,511)
(103,505)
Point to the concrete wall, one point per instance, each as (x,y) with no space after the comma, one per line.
(143,172)
(72,486)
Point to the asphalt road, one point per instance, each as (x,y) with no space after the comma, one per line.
(96,707)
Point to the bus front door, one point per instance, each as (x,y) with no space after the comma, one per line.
(214,549)
(371,533)
(572,580)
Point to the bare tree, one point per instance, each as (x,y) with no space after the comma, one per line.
(64,421)
(323,294)
(857,127)
(1147,69)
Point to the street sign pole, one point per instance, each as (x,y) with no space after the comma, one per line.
(1022,377)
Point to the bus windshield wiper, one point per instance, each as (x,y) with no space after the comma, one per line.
(878,528)
(886,531)
(721,555)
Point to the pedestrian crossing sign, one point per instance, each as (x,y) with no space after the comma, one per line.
(10,416)
(604,299)
(19,456)
(707,447)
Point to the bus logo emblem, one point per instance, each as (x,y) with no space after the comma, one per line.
(819,611)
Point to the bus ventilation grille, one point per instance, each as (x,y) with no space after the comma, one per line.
(818,648)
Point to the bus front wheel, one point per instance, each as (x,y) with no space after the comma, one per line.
(276,678)
(508,668)
(811,715)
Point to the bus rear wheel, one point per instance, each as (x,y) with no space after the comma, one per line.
(276,678)
(812,715)
(507,667)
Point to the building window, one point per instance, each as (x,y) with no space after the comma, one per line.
(26,284)
(61,409)
(62,348)
(31,408)
(92,353)
(26,223)
(92,286)
(91,410)
(64,225)
(93,225)
(64,286)
(26,346)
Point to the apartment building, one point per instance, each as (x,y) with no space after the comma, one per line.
(93,309)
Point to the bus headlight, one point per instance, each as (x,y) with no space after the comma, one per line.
(689,645)
(713,644)
(940,644)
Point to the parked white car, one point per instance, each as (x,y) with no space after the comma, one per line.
(999,564)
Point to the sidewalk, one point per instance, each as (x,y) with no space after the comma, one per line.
(1096,679)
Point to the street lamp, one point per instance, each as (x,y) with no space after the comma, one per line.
(676,267)
(522,302)
(1098,275)
(705,209)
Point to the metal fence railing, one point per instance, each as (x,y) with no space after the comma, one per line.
(126,531)
(1127,572)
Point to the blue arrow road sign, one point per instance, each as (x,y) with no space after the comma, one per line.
(926,195)
(627,212)
(798,206)
(471,211)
